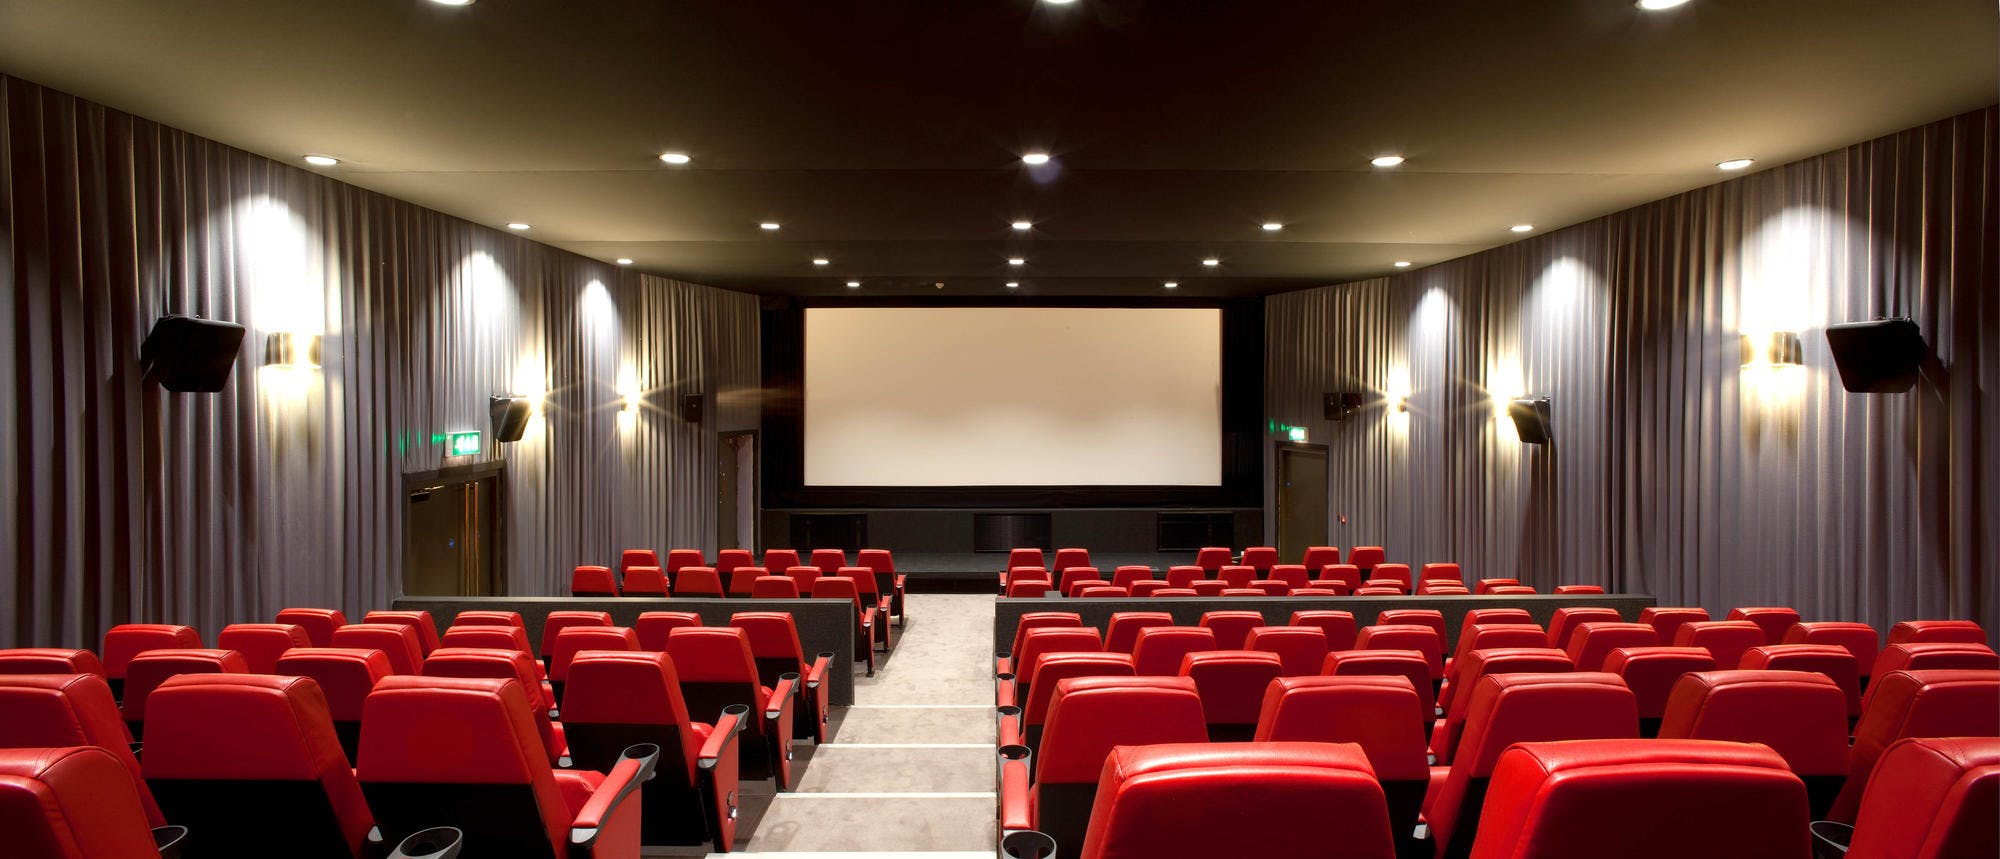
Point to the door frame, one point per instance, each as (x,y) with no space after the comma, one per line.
(496,469)
(1278,484)
(756,484)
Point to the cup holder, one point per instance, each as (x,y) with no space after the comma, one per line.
(438,842)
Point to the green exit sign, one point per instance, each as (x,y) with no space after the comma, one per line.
(462,443)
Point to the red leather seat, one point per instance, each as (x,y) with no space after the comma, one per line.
(1477,616)
(485,617)
(1775,621)
(1344,575)
(653,627)
(251,761)
(1934,655)
(1441,571)
(439,751)
(1088,718)
(1050,671)
(1408,664)
(1208,588)
(1029,588)
(1293,575)
(615,701)
(677,560)
(1932,798)
(557,621)
(1565,621)
(1903,704)
(1231,628)
(774,644)
(1510,590)
(883,562)
(1040,642)
(1320,556)
(1066,558)
(1158,650)
(780,559)
(1299,792)
(319,623)
(1017,558)
(1479,665)
(1127,575)
(774,588)
(1213,558)
(503,665)
(1383,715)
(419,622)
(1414,617)
(741,581)
(1442,587)
(1123,630)
(1521,708)
(1486,586)
(1726,640)
(345,677)
(645,582)
(630,558)
(50,660)
(1925,631)
(1030,574)
(73,803)
(1318,592)
(1147,588)
(718,670)
(1648,799)
(867,619)
(1859,639)
(59,710)
(1031,621)
(1243,592)
(1387,574)
(1185,576)
(261,643)
(396,641)
(127,640)
(1231,684)
(1366,558)
(728,561)
(1513,638)
(1579,589)
(806,575)
(1668,620)
(1260,558)
(492,637)
(1236,575)
(1651,672)
(1832,661)
(1300,649)
(829,561)
(592,580)
(150,669)
(1421,639)
(1337,625)
(1077,578)
(578,639)
(1803,716)
(1186,592)
(869,586)
(1374,590)
(697,582)
(1590,642)
(1101,591)
(1482,636)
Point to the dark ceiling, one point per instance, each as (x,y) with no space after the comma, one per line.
(885,134)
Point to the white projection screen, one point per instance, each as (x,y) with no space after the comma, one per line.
(1013,396)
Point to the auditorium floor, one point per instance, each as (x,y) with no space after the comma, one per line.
(908,770)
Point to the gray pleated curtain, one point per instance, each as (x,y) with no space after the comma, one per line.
(1676,471)
(124,501)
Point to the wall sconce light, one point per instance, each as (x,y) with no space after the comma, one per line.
(631,395)
(1776,349)
(294,349)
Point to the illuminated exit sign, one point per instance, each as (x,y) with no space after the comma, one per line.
(462,443)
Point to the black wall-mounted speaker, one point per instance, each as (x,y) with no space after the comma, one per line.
(691,408)
(1531,420)
(510,416)
(185,354)
(1879,357)
(1340,405)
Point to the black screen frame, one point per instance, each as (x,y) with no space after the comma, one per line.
(782,342)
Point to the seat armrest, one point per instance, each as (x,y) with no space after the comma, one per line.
(816,672)
(1003,664)
(635,767)
(1010,726)
(717,774)
(168,840)
(1003,691)
(437,842)
(780,702)
(726,728)
(1014,770)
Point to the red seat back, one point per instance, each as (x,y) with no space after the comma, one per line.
(1025,558)
(345,676)
(1029,588)
(1236,575)
(630,558)
(1100,591)
(1184,576)
(592,580)
(1293,575)
(879,560)
(1076,577)
(1827,660)
(1129,575)
(774,643)
(1668,620)
(1445,571)
(1421,639)
(126,640)
(774,587)
(1726,640)
(653,627)
(1479,665)
(478,617)
(1231,628)
(717,670)
(1651,672)
(1319,556)
(1123,630)
(49,660)
(742,579)
(1212,558)
(728,561)
(780,559)
(1054,668)
(578,639)
(1935,655)
(1413,617)
(645,582)
(1590,642)
(71,803)
(1066,558)
(1260,558)
(697,582)
(502,665)
(1038,620)
(1921,631)
(1932,798)
(1859,639)
(1158,650)
(396,641)
(1565,621)
(557,621)
(829,561)
(1408,664)
(1380,713)
(1338,626)
(1775,621)
(1348,575)
(614,699)
(491,637)
(150,669)
(58,710)
(1046,640)
(419,622)
(807,577)
(1300,649)
(1802,716)
(1366,558)
(1902,704)
(1513,638)
(1398,573)
(262,643)
(1495,615)
(1231,684)
(1490,634)
(1579,589)
(678,560)
(319,623)
(1090,715)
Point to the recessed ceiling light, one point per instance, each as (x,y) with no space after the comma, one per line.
(1387,160)
(1170,284)
(453,2)
(322,160)
(1022,226)
(675,157)
(624,261)
(1211,262)
(517,226)
(1657,5)
(1058,2)
(1521,228)
(768,226)
(1273,226)
(1035,158)
(1736,163)
(1013,284)
(854,284)
(821,261)
(1402,263)
(1016,261)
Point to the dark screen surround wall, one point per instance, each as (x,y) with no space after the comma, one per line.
(1676,471)
(127,503)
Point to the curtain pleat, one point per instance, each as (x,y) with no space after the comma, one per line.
(1676,471)
(128,503)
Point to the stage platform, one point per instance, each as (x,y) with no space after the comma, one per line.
(979,572)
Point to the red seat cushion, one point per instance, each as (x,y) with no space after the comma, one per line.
(126,640)
(1231,682)
(1941,703)
(70,803)
(396,641)
(1801,716)
(1932,798)
(319,623)
(56,710)
(49,660)
(262,643)
(1158,650)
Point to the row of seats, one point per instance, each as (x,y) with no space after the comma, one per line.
(686,573)
(1366,574)
(619,694)
(1932,798)
(1792,724)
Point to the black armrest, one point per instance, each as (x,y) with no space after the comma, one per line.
(1830,839)
(437,842)
(169,839)
(1027,844)
(634,767)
